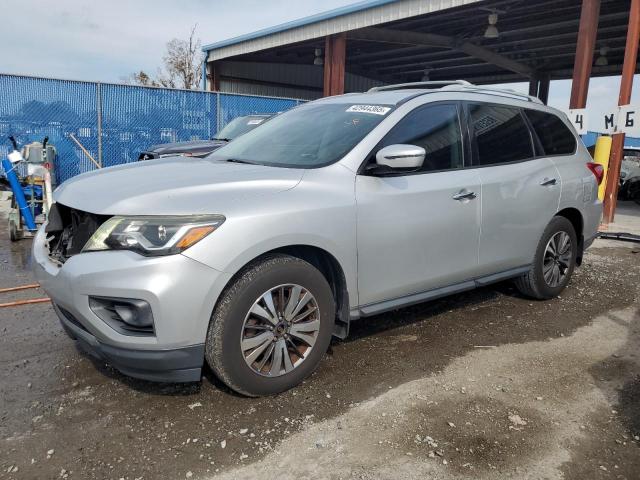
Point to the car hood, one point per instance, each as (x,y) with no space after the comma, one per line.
(173,186)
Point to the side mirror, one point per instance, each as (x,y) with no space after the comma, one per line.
(401,156)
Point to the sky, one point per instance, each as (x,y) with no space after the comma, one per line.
(105,40)
(109,39)
(602,97)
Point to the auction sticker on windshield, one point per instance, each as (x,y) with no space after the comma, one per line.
(375,109)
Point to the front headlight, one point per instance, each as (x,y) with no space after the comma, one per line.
(152,235)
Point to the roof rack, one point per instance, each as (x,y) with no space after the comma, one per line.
(430,84)
(460,85)
(502,92)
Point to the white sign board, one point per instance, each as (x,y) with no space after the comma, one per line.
(624,119)
(628,120)
(579,119)
(606,122)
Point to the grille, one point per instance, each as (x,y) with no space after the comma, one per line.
(68,230)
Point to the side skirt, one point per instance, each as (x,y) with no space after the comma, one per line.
(408,300)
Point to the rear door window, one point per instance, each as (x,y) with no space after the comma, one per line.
(501,134)
(555,137)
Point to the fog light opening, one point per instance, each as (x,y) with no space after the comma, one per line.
(125,315)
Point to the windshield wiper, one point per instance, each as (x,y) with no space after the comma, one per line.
(221,139)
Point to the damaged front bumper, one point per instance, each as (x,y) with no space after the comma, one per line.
(181,293)
(173,365)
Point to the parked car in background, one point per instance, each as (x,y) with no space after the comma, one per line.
(201,148)
(629,188)
(339,209)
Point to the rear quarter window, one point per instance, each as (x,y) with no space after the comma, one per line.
(554,135)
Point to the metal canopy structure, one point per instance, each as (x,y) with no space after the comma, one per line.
(379,42)
(537,40)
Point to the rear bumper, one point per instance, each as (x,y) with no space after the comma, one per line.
(588,241)
(592,216)
(174,365)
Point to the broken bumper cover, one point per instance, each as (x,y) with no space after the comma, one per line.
(180,291)
(175,365)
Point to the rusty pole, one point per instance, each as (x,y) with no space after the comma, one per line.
(334,64)
(213,75)
(585,46)
(626,83)
(584,53)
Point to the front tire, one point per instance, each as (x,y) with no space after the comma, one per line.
(271,326)
(554,261)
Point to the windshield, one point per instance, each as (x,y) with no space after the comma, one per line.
(239,126)
(308,136)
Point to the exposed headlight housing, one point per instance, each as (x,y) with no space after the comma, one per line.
(151,235)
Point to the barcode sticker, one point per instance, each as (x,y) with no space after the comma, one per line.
(375,109)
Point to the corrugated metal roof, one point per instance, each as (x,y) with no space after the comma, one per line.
(336,12)
(359,15)
(281,79)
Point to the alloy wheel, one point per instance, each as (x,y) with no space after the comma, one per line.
(280,330)
(557,259)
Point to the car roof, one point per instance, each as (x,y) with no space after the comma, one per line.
(393,97)
(397,94)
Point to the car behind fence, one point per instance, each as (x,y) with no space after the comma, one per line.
(114,122)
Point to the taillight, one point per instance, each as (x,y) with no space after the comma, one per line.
(597,170)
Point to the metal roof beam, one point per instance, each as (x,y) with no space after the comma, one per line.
(435,61)
(434,40)
(474,16)
(466,66)
(393,52)
(526,31)
(561,74)
(431,65)
(542,43)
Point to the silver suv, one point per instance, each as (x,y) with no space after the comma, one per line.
(342,208)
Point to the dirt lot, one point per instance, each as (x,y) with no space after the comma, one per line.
(482,385)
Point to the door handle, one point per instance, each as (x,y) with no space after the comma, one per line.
(546,181)
(464,194)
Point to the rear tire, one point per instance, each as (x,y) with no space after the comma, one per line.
(304,339)
(554,262)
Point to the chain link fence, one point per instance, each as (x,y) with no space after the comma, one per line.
(108,124)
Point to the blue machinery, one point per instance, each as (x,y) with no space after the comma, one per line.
(32,199)
(18,194)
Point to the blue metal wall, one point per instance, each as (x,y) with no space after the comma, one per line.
(113,122)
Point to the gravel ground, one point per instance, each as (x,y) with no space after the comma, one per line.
(481,385)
